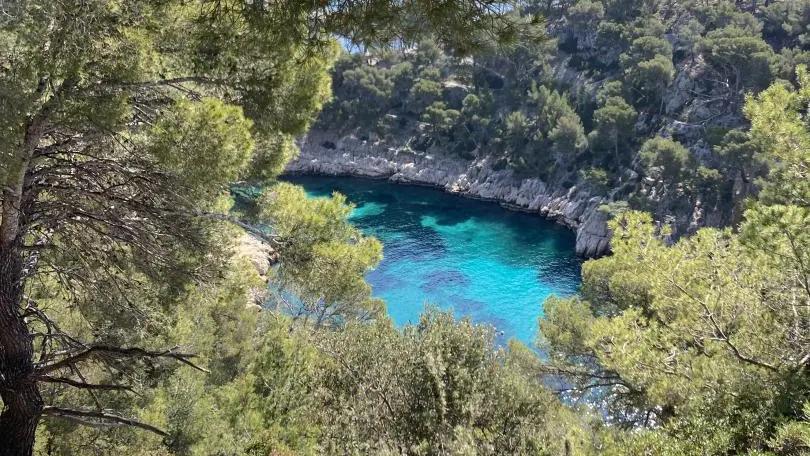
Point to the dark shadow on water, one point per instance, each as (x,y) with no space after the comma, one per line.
(424,246)
(411,200)
(444,280)
(383,282)
(503,239)
(560,269)
(465,305)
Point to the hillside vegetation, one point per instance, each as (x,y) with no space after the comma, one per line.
(635,101)
(143,313)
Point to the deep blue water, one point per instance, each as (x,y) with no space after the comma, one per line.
(494,265)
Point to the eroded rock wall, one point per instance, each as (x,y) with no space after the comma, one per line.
(324,153)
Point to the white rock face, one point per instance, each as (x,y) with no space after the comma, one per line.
(261,256)
(322,153)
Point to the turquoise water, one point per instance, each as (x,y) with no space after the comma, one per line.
(495,265)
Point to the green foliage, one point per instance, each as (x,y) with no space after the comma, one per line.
(568,136)
(585,15)
(123,124)
(278,388)
(699,345)
(645,48)
(739,54)
(441,120)
(779,127)
(550,106)
(439,387)
(793,437)
(788,23)
(596,178)
(368,92)
(424,93)
(741,154)
(476,118)
(689,34)
(271,154)
(548,121)
(196,409)
(610,90)
(427,53)
(671,160)
(595,93)
(695,342)
(648,68)
(708,181)
(784,64)
(207,144)
(515,138)
(325,257)
(614,122)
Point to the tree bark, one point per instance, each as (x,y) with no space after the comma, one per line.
(22,402)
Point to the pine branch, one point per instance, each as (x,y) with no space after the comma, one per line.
(167,82)
(99,418)
(90,351)
(84,385)
(272,240)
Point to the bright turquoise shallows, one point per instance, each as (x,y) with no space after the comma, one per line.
(494,265)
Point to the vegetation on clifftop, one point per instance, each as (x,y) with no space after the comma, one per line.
(586,91)
(128,321)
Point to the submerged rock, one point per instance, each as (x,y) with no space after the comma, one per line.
(572,207)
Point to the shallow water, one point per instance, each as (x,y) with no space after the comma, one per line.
(494,265)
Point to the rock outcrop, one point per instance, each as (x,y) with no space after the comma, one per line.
(261,257)
(323,153)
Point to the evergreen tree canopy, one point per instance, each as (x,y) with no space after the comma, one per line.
(123,124)
(702,342)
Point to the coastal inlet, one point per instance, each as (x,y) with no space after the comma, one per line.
(494,265)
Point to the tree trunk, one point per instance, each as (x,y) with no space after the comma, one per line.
(22,403)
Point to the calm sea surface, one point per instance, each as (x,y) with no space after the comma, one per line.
(483,261)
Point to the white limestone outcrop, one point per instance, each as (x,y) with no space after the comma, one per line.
(322,153)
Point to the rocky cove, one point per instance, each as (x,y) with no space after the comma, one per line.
(329,154)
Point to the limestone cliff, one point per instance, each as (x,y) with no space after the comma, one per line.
(324,153)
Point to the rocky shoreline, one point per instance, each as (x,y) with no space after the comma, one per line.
(326,154)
